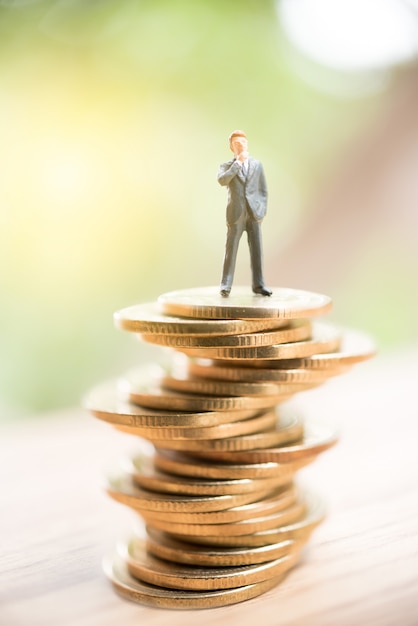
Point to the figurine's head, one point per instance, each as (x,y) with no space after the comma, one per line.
(238,142)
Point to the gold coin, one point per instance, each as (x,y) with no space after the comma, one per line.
(132,589)
(123,490)
(144,475)
(206,302)
(164,546)
(185,465)
(155,571)
(297,330)
(195,385)
(106,403)
(256,424)
(325,338)
(287,429)
(251,372)
(354,348)
(316,439)
(148,318)
(146,390)
(277,500)
(298,531)
(244,527)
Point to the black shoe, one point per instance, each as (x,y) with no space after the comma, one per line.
(225,293)
(263,291)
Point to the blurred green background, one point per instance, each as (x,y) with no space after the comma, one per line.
(114,117)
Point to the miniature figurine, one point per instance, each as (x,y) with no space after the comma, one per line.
(247,205)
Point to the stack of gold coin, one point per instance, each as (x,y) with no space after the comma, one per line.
(224,518)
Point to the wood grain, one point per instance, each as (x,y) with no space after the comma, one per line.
(360,567)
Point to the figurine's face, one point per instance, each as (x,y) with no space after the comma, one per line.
(239,144)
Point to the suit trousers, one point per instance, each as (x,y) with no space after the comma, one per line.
(233,237)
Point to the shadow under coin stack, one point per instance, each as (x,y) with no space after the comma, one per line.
(224,518)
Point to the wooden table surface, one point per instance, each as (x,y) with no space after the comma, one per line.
(360,567)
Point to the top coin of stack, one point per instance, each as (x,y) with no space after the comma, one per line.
(225,521)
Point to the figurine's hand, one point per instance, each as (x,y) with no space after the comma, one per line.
(242,156)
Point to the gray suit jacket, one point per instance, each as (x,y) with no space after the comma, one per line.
(242,191)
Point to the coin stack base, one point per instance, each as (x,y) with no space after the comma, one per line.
(224,518)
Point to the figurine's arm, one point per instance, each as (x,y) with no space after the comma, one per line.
(227,172)
(263,184)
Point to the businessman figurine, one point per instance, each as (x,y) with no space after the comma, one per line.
(247,205)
